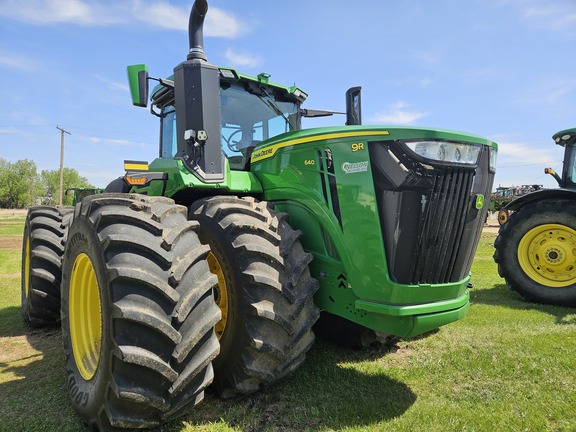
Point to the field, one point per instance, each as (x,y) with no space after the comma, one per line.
(508,366)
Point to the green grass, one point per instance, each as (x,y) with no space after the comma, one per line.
(11,230)
(13,219)
(9,262)
(508,366)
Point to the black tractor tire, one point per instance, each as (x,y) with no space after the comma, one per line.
(45,232)
(138,312)
(536,252)
(265,292)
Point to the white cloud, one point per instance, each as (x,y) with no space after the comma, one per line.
(427,82)
(242,59)
(159,13)
(222,24)
(559,16)
(556,95)
(429,59)
(113,84)
(554,16)
(16,61)
(398,114)
(8,131)
(517,153)
(51,11)
(552,92)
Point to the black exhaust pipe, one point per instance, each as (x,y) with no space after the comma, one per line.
(197,103)
(196,30)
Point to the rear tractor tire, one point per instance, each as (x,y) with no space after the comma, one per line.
(138,312)
(265,292)
(45,232)
(536,252)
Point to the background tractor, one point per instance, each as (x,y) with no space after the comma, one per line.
(536,244)
(80,193)
(212,263)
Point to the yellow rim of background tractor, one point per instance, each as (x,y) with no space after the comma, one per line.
(503,216)
(547,254)
(27,268)
(221,293)
(85,316)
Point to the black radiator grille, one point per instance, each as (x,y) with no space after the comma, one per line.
(429,220)
(442,228)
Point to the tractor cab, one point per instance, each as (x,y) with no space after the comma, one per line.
(566,139)
(252,110)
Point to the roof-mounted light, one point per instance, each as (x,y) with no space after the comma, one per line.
(228,74)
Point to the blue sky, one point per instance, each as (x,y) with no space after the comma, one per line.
(504,69)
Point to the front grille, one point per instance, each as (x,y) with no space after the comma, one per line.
(442,228)
(429,221)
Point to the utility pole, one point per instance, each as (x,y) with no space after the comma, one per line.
(62,132)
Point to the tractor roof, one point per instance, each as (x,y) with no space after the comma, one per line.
(163,95)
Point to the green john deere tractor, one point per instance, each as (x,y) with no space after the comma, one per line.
(212,263)
(79,193)
(536,244)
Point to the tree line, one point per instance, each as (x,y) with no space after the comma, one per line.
(22,186)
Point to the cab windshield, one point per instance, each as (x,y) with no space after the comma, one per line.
(248,118)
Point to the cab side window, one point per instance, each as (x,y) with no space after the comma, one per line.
(168,143)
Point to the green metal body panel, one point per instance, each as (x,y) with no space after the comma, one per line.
(349,256)
(180,178)
(350,261)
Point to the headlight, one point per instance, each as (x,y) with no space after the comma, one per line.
(493,156)
(443,151)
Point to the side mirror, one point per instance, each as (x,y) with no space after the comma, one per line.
(555,175)
(138,79)
(353,106)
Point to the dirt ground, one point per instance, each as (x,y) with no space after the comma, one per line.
(11,243)
(490,228)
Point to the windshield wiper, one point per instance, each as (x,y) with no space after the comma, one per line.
(271,103)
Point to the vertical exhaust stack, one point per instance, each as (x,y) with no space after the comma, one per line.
(197,103)
(196,30)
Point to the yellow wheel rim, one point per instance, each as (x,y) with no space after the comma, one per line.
(27,268)
(221,294)
(502,217)
(547,254)
(85,315)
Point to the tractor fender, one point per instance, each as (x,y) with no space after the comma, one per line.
(541,195)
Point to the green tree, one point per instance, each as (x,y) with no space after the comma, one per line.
(50,181)
(18,183)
